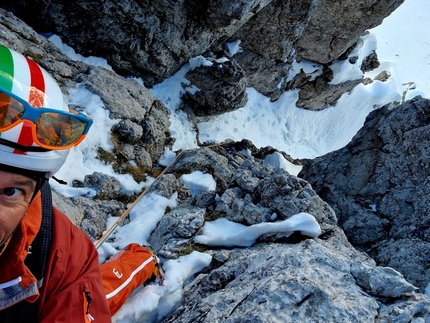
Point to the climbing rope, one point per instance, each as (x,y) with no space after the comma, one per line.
(132,205)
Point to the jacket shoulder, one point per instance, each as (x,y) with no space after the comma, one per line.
(72,272)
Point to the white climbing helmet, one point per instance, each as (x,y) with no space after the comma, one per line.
(36,127)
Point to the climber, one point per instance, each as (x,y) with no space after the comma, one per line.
(49,268)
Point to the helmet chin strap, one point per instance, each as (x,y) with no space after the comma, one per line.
(39,183)
(21,147)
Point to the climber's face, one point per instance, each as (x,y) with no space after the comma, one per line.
(16,192)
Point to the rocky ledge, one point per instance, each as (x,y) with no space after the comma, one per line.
(375,190)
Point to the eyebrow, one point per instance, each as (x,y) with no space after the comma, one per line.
(24,182)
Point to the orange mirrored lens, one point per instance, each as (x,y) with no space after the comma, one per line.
(56,130)
(10,110)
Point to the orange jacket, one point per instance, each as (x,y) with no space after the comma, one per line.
(127,270)
(16,281)
(75,288)
(72,276)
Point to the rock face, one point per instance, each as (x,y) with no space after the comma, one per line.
(379,187)
(125,99)
(89,214)
(317,94)
(222,88)
(283,276)
(351,19)
(153,39)
(272,283)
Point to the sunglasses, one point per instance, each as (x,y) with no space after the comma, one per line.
(52,129)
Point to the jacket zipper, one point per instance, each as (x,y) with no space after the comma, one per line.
(89,300)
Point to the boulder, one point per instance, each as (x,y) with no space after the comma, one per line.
(314,280)
(221,89)
(379,187)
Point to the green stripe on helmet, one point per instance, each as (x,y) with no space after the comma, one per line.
(6,68)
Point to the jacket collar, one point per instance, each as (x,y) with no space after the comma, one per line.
(16,279)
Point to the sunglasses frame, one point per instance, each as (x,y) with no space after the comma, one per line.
(32,114)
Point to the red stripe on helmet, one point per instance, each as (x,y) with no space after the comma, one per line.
(25,137)
(36,96)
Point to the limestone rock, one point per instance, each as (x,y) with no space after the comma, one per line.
(291,283)
(284,277)
(103,184)
(378,186)
(322,41)
(221,89)
(153,39)
(88,214)
(176,230)
(124,98)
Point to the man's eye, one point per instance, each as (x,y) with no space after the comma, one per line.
(12,191)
